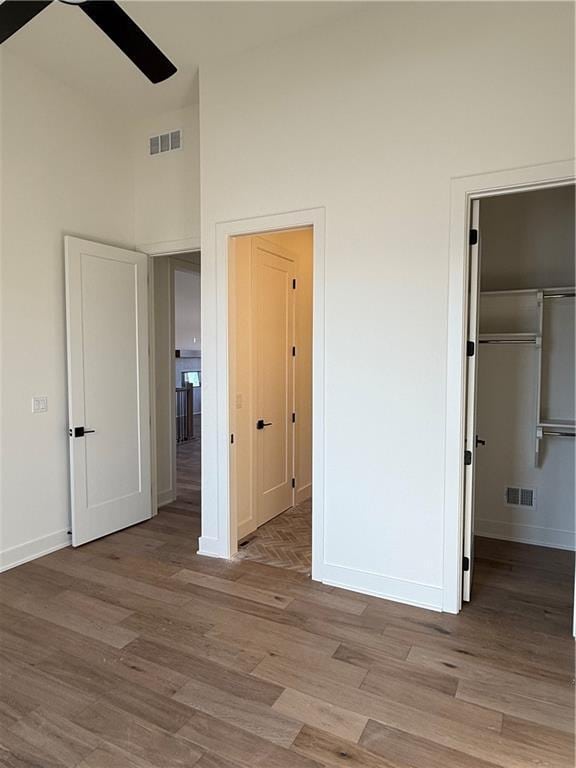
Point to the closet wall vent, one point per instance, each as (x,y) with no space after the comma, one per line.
(520,497)
(165,142)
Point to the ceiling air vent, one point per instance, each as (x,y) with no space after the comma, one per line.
(165,142)
(520,497)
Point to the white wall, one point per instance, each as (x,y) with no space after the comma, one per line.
(371,119)
(66,169)
(167,189)
(528,240)
(187,310)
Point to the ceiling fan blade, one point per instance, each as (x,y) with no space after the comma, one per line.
(14,14)
(128,36)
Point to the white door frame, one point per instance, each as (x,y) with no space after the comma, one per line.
(463,190)
(217,511)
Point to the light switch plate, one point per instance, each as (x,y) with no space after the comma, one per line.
(39,404)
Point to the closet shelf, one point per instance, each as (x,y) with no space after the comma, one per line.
(558,425)
(509,338)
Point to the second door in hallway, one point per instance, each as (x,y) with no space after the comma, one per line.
(273,339)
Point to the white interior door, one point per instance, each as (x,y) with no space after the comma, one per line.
(471,376)
(273,327)
(108,388)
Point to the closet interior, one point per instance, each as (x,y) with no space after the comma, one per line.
(525,417)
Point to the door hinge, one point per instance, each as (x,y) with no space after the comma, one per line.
(293,482)
(294,284)
(470,347)
(232,439)
(293,418)
(465,563)
(473,237)
(467,458)
(293,351)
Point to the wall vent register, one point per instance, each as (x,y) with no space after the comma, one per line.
(520,497)
(165,142)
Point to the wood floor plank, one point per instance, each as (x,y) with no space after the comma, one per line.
(16,752)
(181,637)
(71,618)
(205,671)
(235,744)
(559,746)
(321,714)
(355,604)
(473,669)
(380,675)
(334,752)
(266,632)
(405,750)
(308,659)
(440,718)
(106,578)
(53,735)
(254,717)
(31,688)
(150,744)
(214,761)
(486,694)
(236,588)
(112,757)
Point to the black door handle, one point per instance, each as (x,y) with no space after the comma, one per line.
(480,442)
(80,431)
(260,424)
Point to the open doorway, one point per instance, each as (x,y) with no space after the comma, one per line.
(270,359)
(178,382)
(519,522)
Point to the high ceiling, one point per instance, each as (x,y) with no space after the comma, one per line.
(64,43)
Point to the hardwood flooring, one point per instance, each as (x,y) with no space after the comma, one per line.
(132,652)
(188,460)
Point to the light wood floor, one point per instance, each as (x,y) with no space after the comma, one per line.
(132,652)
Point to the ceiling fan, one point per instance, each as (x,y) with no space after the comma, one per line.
(112,20)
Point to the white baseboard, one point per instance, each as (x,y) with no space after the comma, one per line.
(525,534)
(166,497)
(210,547)
(304,493)
(30,550)
(397,590)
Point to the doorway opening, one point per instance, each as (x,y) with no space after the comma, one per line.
(270,396)
(519,523)
(178,382)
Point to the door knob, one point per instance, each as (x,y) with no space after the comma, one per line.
(480,442)
(260,424)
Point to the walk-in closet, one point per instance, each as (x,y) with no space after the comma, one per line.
(525,391)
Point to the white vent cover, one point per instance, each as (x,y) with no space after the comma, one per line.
(165,142)
(520,497)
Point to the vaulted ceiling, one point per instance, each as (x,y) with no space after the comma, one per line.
(63,42)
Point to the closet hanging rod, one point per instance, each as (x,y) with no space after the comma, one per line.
(555,433)
(507,341)
(566,295)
